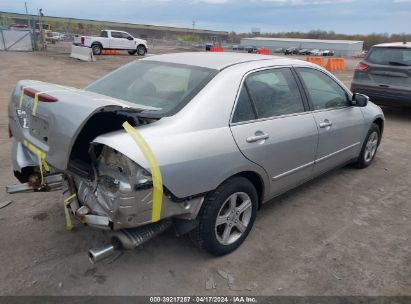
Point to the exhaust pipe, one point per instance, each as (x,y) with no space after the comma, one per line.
(128,239)
(95,255)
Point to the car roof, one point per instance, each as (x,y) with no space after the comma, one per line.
(395,45)
(213,60)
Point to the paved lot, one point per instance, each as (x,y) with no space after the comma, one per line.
(346,233)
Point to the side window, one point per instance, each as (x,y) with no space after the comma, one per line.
(274,93)
(116,35)
(125,35)
(244,110)
(324,92)
(103,34)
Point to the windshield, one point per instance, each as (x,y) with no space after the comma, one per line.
(165,86)
(390,56)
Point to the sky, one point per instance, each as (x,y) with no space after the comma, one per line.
(341,16)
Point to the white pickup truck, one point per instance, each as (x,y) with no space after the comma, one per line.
(113,40)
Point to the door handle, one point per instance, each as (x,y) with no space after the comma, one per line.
(258,136)
(326,124)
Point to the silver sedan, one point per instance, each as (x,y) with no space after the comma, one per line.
(199,140)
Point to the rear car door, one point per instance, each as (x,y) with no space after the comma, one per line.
(272,128)
(340,124)
(117,41)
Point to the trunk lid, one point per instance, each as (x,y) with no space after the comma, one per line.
(52,121)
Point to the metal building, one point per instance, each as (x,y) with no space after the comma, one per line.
(340,47)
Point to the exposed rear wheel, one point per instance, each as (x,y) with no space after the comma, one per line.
(226,217)
(369,148)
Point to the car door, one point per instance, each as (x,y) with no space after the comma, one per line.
(340,124)
(128,41)
(116,41)
(272,128)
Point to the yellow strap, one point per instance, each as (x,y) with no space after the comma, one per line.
(69,225)
(41,157)
(67,201)
(36,99)
(21,96)
(155,171)
(30,87)
(70,198)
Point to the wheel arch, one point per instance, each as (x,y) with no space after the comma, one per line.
(380,123)
(257,181)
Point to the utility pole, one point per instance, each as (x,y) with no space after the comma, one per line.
(27,14)
(194,25)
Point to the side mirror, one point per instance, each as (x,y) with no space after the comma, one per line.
(360,100)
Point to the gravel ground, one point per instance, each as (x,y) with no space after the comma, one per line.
(346,233)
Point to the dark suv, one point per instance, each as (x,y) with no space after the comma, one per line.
(385,74)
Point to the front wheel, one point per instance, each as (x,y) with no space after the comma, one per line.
(226,217)
(141,50)
(369,148)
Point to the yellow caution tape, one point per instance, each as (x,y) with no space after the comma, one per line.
(41,156)
(155,171)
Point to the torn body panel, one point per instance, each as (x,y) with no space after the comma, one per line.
(122,191)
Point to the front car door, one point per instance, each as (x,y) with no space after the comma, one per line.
(272,128)
(128,41)
(340,124)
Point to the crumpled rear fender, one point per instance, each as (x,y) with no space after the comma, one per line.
(191,163)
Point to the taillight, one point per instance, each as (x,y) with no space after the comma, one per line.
(361,66)
(82,39)
(10,133)
(41,97)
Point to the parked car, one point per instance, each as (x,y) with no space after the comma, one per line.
(291,51)
(113,40)
(251,49)
(327,53)
(315,52)
(221,134)
(303,52)
(238,47)
(385,74)
(57,36)
(208,46)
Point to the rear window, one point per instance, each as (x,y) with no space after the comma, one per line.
(104,34)
(390,56)
(165,86)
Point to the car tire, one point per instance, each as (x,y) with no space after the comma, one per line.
(234,223)
(369,148)
(97,48)
(141,50)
